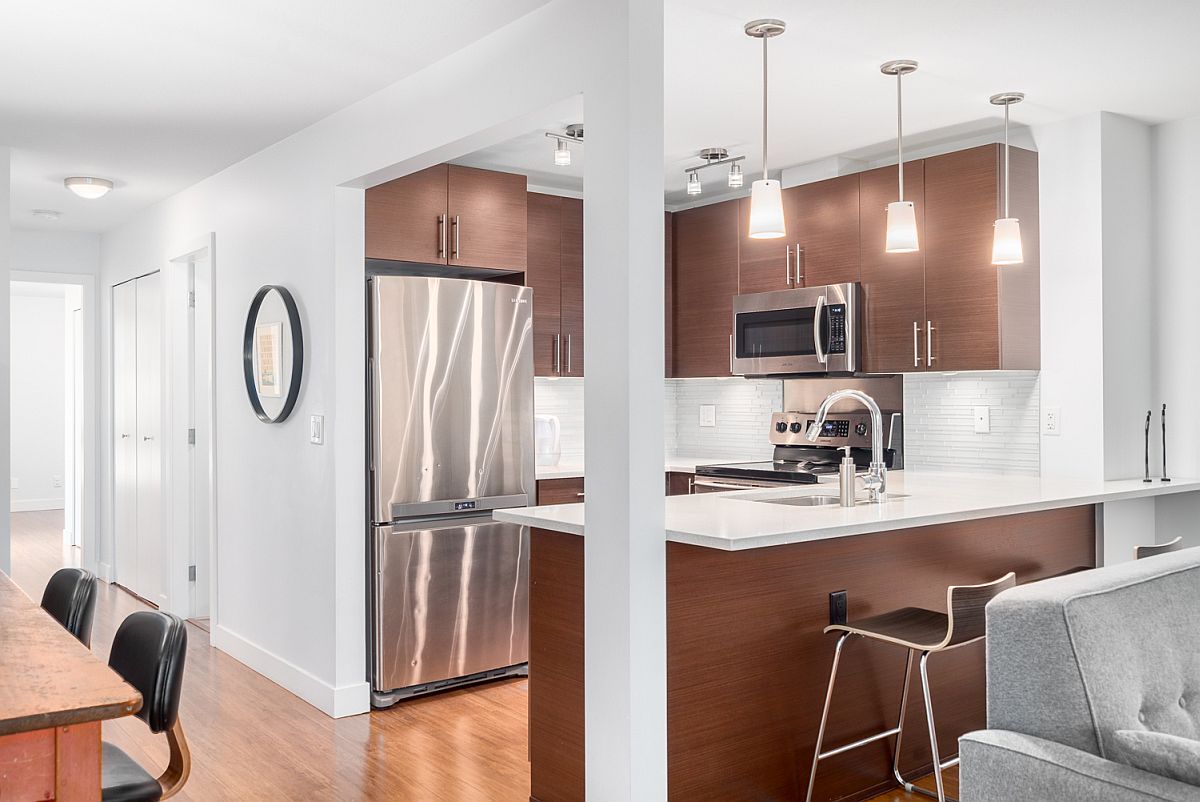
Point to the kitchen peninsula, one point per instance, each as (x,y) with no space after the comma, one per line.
(748,584)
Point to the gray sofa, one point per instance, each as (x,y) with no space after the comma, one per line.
(1093,688)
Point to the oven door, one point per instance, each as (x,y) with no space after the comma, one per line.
(813,330)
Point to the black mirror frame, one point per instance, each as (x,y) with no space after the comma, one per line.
(293,391)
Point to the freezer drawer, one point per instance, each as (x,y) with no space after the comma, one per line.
(450,599)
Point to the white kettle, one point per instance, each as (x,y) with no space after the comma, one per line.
(545,438)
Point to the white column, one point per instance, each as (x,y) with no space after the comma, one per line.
(624,549)
(5,359)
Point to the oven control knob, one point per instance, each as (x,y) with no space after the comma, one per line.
(781,427)
(796,427)
(860,429)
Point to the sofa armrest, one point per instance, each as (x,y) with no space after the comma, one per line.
(1000,766)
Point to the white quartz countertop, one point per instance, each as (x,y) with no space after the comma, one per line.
(742,520)
(573,468)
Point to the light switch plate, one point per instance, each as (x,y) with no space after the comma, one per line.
(983,420)
(708,415)
(1051,421)
(57,481)
(316,430)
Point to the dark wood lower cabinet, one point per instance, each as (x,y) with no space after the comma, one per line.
(560,491)
(747,663)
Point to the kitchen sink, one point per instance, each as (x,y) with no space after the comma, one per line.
(820,500)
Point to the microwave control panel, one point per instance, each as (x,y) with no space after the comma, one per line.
(837,329)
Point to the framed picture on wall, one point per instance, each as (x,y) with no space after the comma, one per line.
(268,346)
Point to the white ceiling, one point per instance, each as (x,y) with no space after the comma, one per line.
(158,95)
(828,97)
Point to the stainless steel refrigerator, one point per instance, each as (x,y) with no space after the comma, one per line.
(450,399)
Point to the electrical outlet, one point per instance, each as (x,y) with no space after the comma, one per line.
(838,607)
(1051,421)
(58,481)
(708,415)
(983,420)
(316,430)
(16,483)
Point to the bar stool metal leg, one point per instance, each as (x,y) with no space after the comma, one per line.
(837,656)
(938,765)
(900,724)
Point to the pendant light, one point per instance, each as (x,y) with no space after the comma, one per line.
(766,198)
(1006,236)
(901,214)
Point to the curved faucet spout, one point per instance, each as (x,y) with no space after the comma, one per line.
(876,479)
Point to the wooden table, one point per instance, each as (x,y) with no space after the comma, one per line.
(53,695)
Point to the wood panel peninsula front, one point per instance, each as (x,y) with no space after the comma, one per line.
(748,584)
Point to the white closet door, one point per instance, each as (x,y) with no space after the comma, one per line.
(125,442)
(150,574)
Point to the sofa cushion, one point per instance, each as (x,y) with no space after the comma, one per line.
(1159,753)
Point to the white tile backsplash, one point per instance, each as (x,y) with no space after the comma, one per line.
(939,425)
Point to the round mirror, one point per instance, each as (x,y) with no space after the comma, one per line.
(273,353)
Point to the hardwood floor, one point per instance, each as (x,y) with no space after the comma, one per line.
(252,740)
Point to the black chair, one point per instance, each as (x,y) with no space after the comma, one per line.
(70,597)
(149,652)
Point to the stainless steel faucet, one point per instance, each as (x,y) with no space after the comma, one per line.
(876,478)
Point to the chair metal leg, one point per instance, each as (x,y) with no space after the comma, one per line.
(933,746)
(900,725)
(837,656)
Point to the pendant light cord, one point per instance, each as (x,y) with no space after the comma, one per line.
(900,131)
(764,131)
(1006,160)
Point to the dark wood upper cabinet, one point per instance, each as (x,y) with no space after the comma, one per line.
(543,274)
(976,325)
(572,287)
(765,265)
(705,281)
(668,306)
(893,283)
(823,227)
(406,218)
(487,218)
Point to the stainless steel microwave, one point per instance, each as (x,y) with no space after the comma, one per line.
(805,331)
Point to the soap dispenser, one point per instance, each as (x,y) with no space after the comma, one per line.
(847,475)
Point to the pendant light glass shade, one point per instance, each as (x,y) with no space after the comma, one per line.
(562,154)
(693,184)
(735,175)
(1006,242)
(901,228)
(766,210)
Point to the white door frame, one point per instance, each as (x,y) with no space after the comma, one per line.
(187,395)
(89,515)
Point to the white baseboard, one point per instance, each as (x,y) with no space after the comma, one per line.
(104,572)
(347,700)
(36,504)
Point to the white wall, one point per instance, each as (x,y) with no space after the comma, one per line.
(5,417)
(38,402)
(55,251)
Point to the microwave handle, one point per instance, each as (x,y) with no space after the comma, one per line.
(822,356)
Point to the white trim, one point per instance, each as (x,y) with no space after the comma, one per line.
(38,504)
(104,572)
(347,700)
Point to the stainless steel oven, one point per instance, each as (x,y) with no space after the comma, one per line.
(806,331)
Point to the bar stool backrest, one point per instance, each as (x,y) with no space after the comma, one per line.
(1162,548)
(965,605)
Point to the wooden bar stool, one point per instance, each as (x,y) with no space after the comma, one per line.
(917,630)
(1162,548)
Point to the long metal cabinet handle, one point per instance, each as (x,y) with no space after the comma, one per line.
(799,261)
(916,345)
(441,236)
(929,343)
(787,265)
(691,485)
(557,354)
(822,357)
(457,254)
(568,354)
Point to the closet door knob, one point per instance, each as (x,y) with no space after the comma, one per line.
(147,437)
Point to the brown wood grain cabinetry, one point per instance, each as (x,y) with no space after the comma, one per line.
(679,484)
(572,287)
(669,283)
(560,491)
(893,283)
(765,265)
(556,274)
(963,298)
(823,225)
(705,279)
(449,215)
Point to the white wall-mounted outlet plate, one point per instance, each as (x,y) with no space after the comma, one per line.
(983,420)
(316,429)
(708,415)
(1051,421)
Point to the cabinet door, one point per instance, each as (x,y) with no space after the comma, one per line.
(961,283)
(893,283)
(125,442)
(668,237)
(705,282)
(406,218)
(487,218)
(572,287)
(822,222)
(150,584)
(542,274)
(765,265)
(560,491)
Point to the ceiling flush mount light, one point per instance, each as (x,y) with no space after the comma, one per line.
(562,153)
(87,187)
(1006,236)
(46,214)
(766,198)
(693,185)
(901,214)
